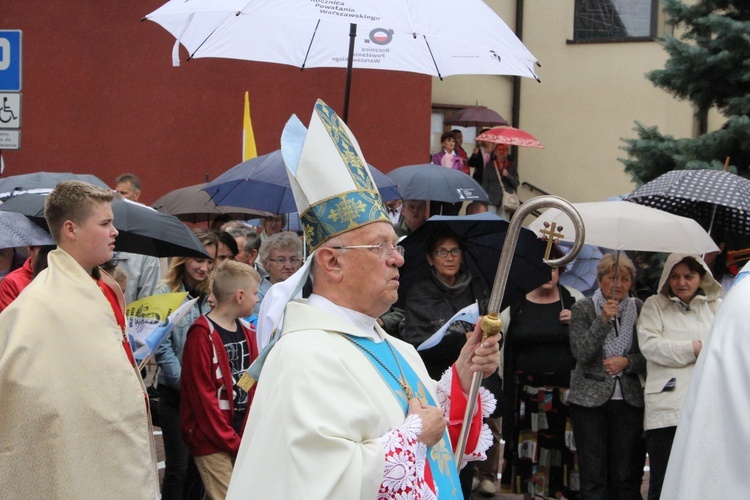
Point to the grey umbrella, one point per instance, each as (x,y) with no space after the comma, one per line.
(42,182)
(714,198)
(16,230)
(436,183)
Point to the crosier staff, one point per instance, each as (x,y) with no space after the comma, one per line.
(491,323)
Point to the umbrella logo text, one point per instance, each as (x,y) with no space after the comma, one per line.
(495,55)
(380,36)
(467,194)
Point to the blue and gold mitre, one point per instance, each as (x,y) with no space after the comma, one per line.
(332,186)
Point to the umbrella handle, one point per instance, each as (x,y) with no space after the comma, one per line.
(493,323)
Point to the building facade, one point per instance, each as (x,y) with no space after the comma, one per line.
(593,55)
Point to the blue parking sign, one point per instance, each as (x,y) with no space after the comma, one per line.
(10,60)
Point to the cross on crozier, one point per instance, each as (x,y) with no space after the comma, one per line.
(549,232)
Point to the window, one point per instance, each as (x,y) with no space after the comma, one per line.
(440,112)
(615,20)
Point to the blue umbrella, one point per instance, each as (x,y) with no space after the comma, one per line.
(262,184)
(581,273)
(437,183)
(483,236)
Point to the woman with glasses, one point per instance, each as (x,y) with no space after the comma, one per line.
(431,302)
(281,256)
(434,300)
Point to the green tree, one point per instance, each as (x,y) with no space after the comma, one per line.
(709,65)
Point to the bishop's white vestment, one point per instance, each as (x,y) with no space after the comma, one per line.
(320,411)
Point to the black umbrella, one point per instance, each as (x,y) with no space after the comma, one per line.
(712,197)
(262,183)
(436,183)
(192,204)
(143,230)
(483,236)
(42,182)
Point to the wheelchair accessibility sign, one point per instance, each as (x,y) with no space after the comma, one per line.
(10,110)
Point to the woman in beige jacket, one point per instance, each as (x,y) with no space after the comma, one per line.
(671,329)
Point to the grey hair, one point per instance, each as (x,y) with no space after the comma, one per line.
(285,240)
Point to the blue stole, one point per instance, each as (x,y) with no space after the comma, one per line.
(439,456)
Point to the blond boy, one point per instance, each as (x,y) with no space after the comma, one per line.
(74,416)
(218,350)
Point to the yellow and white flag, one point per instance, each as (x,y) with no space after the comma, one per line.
(150,319)
(248,138)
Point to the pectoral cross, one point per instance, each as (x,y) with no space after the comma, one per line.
(549,232)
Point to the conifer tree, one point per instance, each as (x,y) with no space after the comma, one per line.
(709,65)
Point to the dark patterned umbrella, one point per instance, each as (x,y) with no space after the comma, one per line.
(714,198)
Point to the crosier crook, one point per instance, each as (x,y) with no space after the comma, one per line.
(491,323)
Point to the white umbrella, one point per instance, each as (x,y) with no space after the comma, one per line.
(621,225)
(433,37)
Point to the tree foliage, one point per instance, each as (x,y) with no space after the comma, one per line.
(709,65)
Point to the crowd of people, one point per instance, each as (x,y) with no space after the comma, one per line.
(577,388)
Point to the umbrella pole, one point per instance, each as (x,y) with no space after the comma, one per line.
(349,62)
(711,224)
(713,217)
(614,285)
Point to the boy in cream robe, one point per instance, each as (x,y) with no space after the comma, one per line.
(75,421)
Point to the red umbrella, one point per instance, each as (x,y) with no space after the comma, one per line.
(509,135)
(476,116)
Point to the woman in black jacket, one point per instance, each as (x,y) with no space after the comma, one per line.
(434,300)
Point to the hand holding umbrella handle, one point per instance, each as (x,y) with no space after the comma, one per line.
(493,323)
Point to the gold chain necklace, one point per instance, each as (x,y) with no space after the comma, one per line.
(400,380)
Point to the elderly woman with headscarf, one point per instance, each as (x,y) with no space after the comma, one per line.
(605,390)
(671,330)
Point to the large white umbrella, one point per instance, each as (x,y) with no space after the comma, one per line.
(621,225)
(433,37)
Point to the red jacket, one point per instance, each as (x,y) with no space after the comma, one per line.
(206,405)
(14,283)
